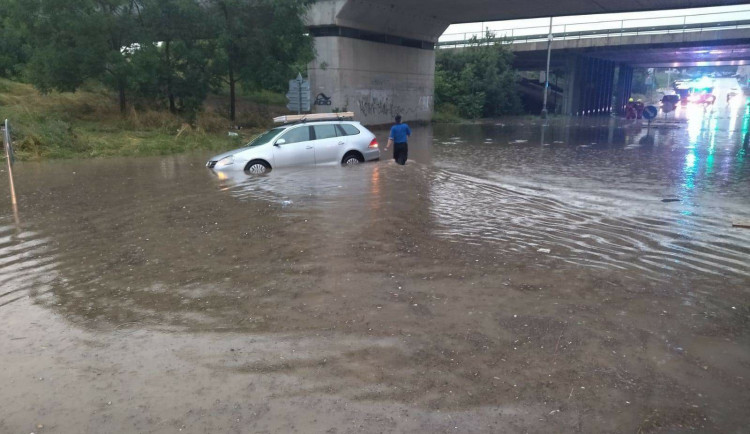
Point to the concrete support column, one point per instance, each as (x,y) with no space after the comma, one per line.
(375,80)
(622,87)
(571,99)
(589,87)
(374,58)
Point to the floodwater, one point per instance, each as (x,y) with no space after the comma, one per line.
(510,278)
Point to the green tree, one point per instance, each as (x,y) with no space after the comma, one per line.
(258,42)
(478,80)
(76,40)
(14,48)
(171,63)
(163,51)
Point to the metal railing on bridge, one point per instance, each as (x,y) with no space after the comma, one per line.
(601,29)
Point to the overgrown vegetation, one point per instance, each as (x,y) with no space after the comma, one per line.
(145,77)
(88,123)
(155,54)
(475,81)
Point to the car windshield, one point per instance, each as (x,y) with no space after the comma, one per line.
(265,137)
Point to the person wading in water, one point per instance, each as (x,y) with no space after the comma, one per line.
(398,138)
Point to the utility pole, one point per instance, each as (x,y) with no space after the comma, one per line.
(299,82)
(8,145)
(546,76)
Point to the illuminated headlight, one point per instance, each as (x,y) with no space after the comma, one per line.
(226,161)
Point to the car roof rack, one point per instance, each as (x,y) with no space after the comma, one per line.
(313,117)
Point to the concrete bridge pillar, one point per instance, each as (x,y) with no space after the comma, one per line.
(590,86)
(373,59)
(623,85)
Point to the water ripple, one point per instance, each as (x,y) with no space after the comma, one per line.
(648,240)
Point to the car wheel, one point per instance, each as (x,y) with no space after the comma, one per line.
(352,159)
(257,167)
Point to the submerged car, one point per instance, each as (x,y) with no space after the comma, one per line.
(304,143)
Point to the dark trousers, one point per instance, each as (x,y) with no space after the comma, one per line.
(400,152)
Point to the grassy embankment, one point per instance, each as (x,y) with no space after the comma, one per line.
(88,123)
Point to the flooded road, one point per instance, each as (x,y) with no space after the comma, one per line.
(510,278)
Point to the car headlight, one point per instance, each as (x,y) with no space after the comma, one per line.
(226,161)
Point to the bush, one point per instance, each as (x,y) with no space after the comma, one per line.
(52,138)
(152,119)
(446,113)
(212,122)
(478,80)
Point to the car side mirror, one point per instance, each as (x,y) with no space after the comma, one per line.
(279,142)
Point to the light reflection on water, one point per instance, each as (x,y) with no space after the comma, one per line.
(598,202)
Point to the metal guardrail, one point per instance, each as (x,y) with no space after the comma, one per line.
(608,30)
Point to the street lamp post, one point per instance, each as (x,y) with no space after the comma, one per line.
(546,76)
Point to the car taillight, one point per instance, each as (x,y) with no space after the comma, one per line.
(374,143)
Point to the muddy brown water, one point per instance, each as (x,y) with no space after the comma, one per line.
(151,295)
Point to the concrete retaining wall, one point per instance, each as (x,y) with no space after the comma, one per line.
(376,81)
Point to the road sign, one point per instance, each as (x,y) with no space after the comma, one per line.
(650,112)
(299,95)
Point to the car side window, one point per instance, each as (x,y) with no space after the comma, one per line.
(325,131)
(348,130)
(301,134)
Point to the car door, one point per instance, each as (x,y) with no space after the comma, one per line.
(327,144)
(294,148)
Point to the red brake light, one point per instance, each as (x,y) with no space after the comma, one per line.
(374,143)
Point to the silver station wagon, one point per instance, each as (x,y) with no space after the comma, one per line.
(306,141)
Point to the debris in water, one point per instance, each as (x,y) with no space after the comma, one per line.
(544,250)
(745,225)
(286,203)
(670,199)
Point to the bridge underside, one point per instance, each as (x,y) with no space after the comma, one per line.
(586,63)
(704,48)
(377,58)
(721,54)
(466,11)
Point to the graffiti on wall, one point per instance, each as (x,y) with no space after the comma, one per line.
(369,106)
(322,99)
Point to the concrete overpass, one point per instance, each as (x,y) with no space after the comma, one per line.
(377,58)
(709,48)
(591,57)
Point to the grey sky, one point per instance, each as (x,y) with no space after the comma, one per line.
(604,21)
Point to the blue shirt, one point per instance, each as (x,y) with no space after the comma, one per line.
(399,133)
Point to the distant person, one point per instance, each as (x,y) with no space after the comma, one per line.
(398,138)
(630,109)
(639,106)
